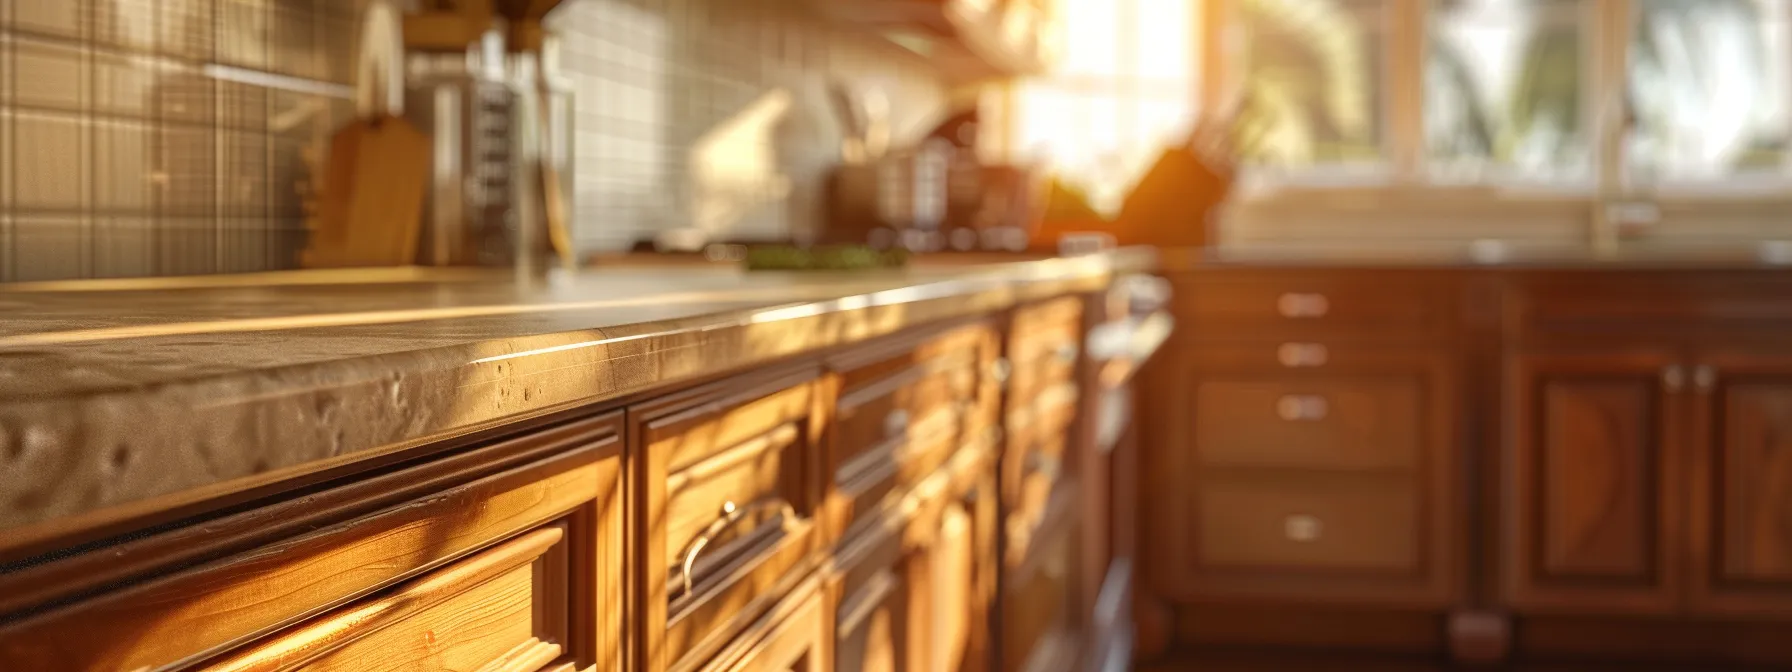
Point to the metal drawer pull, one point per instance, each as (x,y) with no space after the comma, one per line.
(1044,465)
(731,514)
(1296,407)
(1297,355)
(1295,305)
(896,423)
(1066,353)
(1302,528)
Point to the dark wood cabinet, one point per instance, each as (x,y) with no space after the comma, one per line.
(1592,481)
(1740,479)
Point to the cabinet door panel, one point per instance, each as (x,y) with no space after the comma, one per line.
(1591,481)
(1742,484)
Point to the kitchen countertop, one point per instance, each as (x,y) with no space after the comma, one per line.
(1490,254)
(122,398)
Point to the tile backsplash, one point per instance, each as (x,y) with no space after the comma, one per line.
(175,137)
(163,137)
(714,114)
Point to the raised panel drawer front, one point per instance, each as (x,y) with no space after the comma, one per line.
(794,637)
(285,564)
(1308,523)
(1344,422)
(504,608)
(727,509)
(902,409)
(1311,302)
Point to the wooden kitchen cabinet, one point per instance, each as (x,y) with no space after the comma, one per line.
(510,551)
(725,509)
(1740,482)
(797,637)
(1593,482)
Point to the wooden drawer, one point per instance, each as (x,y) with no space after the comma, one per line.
(794,636)
(505,608)
(1038,440)
(1310,523)
(873,614)
(1353,422)
(1038,608)
(902,410)
(1040,330)
(1310,303)
(727,516)
(285,563)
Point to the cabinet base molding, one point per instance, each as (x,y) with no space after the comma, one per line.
(1479,637)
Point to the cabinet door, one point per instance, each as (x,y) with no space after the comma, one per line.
(872,616)
(1590,483)
(1741,480)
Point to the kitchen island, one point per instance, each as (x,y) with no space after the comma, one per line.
(632,468)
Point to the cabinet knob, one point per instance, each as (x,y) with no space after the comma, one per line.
(1298,355)
(1302,528)
(1295,407)
(896,423)
(1296,305)
(1704,378)
(1673,378)
(999,370)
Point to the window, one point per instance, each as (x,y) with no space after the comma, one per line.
(1311,74)
(1124,86)
(1504,91)
(1708,90)
(1586,96)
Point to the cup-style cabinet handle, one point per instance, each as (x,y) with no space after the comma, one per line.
(1299,305)
(1302,407)
(1302,355)
(1302,528)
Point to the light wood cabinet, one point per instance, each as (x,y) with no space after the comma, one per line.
(510,550)
(840,511)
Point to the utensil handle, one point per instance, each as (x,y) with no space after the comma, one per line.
(379,78)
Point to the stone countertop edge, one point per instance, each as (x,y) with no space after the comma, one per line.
(87,463)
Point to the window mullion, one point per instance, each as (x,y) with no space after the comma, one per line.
(1608,70)
(1405,68)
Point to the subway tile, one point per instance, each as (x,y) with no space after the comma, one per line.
(186,170)
(289,177)
(243,106)
(293,40)
(338,32)
(49,75)
(123,85)
(61,18)
(242,174)
(51,160)
(125,24)
(244,245)
(123,247)
(186,246)
(184,95)
(49,248)
(6,265)
(286,240)
(123,171)
(186,29)
(242,37)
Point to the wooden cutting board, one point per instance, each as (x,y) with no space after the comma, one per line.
(372,200)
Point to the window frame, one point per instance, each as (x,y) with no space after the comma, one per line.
(1608,33)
